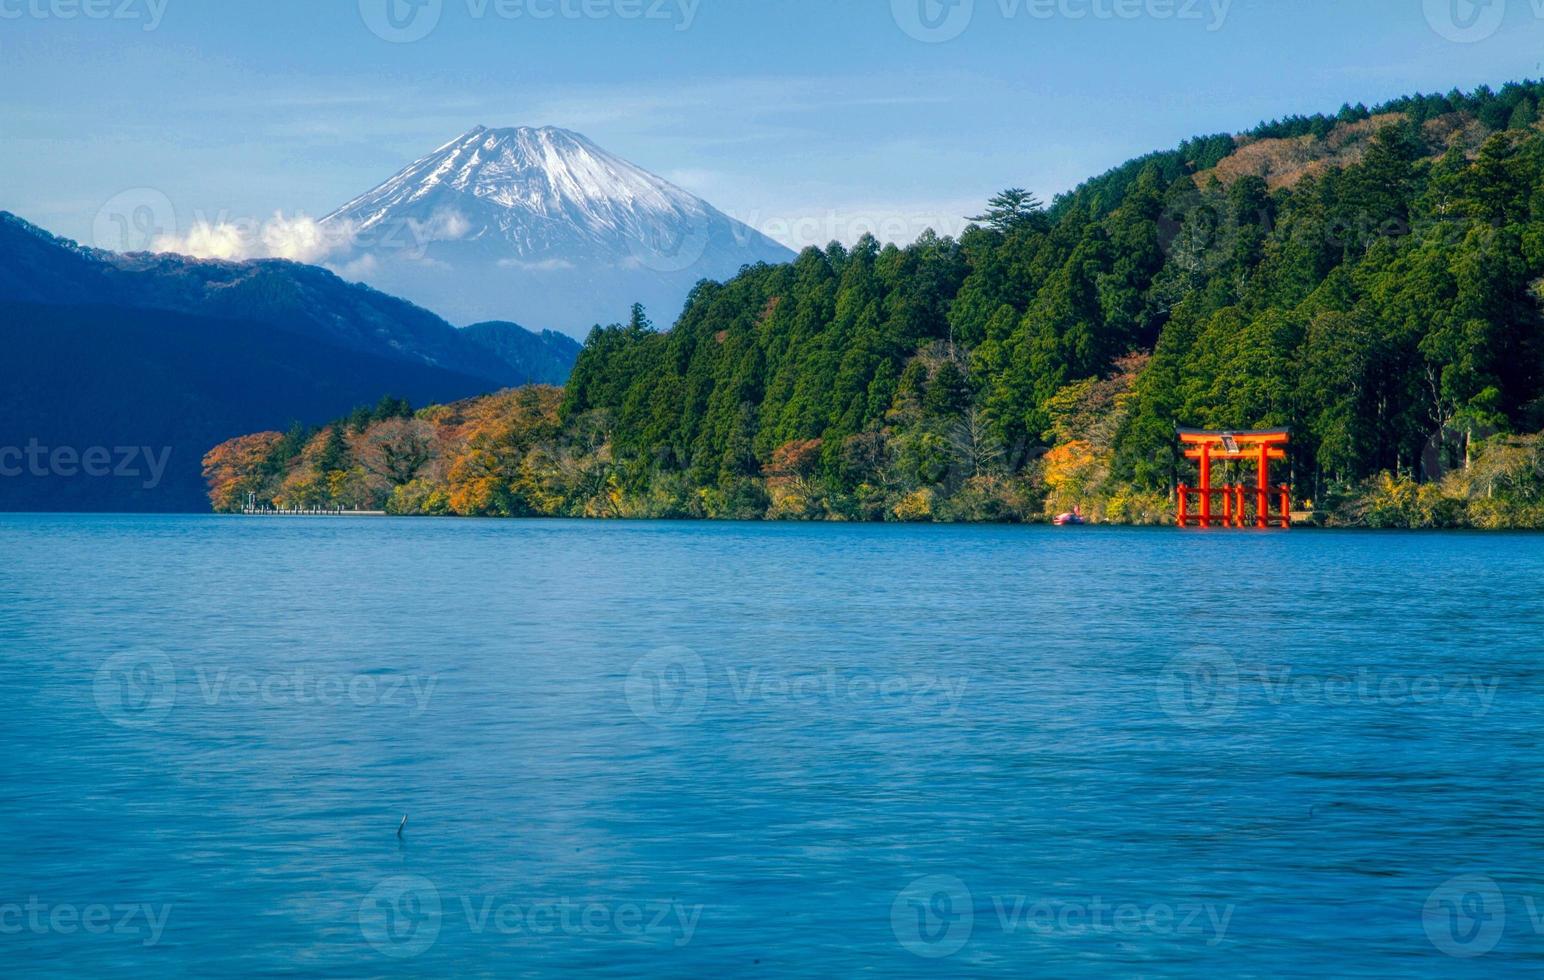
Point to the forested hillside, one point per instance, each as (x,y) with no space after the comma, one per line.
(1370,280)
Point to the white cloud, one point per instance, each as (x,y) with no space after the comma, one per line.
(303,239)
(545,265)
(358,270)
(298,238)
(443,226)
(205,241)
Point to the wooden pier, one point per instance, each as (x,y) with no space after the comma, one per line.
(312,512)
(254,509)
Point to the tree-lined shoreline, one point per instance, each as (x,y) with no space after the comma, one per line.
(1370,280)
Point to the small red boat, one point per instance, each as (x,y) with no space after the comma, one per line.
(1074,516)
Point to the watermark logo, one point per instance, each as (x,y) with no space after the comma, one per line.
(933,21)
(1447,448)
(933,917)
(136,689)
(1200,232)
(401,21)
(668,687)
(1465,916)
(668,249)
(401,916)
(1199,688)
(134,221)
(1465,21)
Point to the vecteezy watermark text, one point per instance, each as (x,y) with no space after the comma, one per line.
(305,687)
(139,688)
(936,916)
(936,21)
(670,686)
(142,920)
(406,21)
(149,11)
(97,462)
(403,916)
(1202,688)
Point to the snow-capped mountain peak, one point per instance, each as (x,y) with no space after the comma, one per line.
(549,197)
(540,226)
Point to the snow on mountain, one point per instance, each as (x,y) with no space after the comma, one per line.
(540,226)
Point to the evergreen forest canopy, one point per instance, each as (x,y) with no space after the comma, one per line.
(1371,280)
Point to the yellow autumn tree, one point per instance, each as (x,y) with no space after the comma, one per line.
(233,469)
(1073,473)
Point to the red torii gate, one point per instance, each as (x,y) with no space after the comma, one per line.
(1261,446)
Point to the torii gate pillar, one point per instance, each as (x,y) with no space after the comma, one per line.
(1261,447)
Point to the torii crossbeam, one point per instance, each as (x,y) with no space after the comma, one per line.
(1261,446)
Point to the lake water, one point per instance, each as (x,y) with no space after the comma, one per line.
(765,750)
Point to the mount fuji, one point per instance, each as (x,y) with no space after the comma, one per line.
(539,226)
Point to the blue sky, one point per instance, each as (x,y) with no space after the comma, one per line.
(810,119)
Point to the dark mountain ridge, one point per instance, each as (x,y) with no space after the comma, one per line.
(86,378)
(148,350)
(43,268)
(547,356)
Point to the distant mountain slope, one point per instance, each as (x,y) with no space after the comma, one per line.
(301,299)
(164,351)
(547,357)
(86,377)
(541,226)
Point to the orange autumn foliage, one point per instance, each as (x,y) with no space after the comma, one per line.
(229,467)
